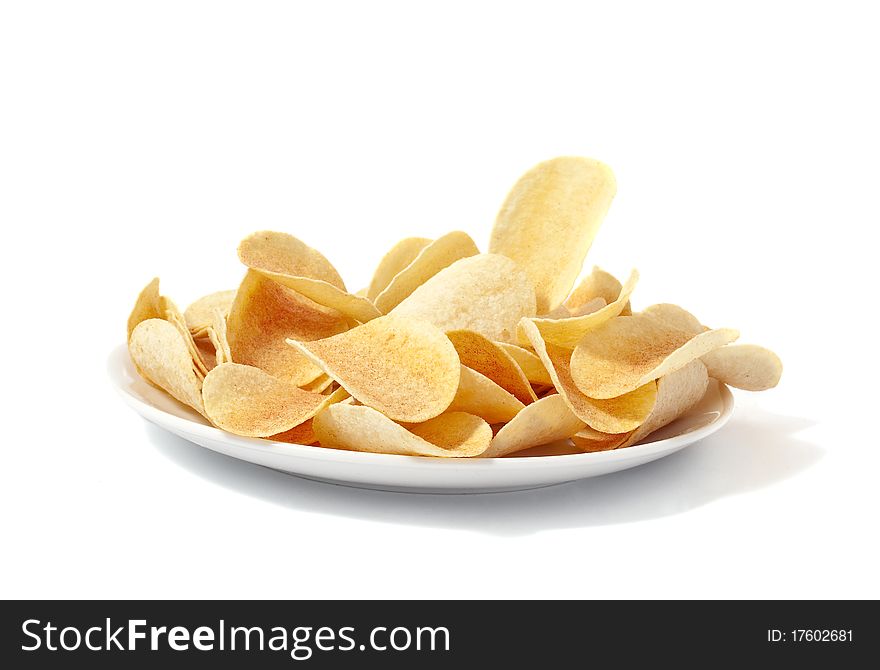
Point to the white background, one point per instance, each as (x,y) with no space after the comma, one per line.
(139,139)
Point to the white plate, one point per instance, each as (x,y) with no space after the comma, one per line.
(530,469)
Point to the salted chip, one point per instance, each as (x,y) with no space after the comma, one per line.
(489,359)
(629,351)
(613,415)
(265,315)
(487,294)
(217,336)
(291,263)
(200,314)
(439,254)
(207,350)
(596,285)
(677,393)
(174,316)
(362,428)
(319,385)
(568,332)
(745,366)
(480,396)
(676,317)
(529,363)
(546,420)
(404,367)
(246,401)
(160,354)
(304,433)
(147,306)
(401,254)
(589,440)
(549,220)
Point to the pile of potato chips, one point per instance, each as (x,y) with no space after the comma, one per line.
(448,352)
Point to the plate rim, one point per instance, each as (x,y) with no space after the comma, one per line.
(119,362)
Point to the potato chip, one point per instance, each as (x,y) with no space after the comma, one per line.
(598,284)
(247,401)
(591,306)
(675,316)
(482,397)
(745,366)
(160,354)
(548,222)
(568,332)
(434,257)
(362,428)
(629,351)
(404,367)
(217,336)
(529,363)
(291,263)
(487,294)
(613,415)
(546,420)
(487,358)
(319,385)
(401,254)
(264,315)
(207,350)
(303,434)
(199,315)
(174,316)
(589,440)
(147,306)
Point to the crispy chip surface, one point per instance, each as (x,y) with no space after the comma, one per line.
(147,306)
(745,366)
(597,284)
(547,420)
(401,254)
(529,363)
(548,222)
(487,294)
(284,254)
(200,314)
(404,367)
(482,397)
(489,359)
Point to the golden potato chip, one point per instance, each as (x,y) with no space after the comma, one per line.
(207,350)
(529,363)
(549,220)
(589,440)
(439,254)
(264,315)
(362,428)
(487,358)
(175,317)
(487,294)
(284,254)
(568,332)
(546,420)
(591,306)
(304,433)
(745,366)
(319,385)
(217,336)
(677,392)
(402,254)
(598,284)
(613,415)
(675,316)
(147,306)
(291,263)
(629,351)
(248,401)
(160,354)
(199,315)
(480,396)
(404,367)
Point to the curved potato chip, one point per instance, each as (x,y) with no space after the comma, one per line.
(327,295)
(362,428)
(160,354)
(401,254)
(217,336)
(200,314)
(548,222)
(304,433)
(613,415)
(745,366)
(264,315)
(593,305)
(284,254)
(247,401)
(147,306)
(403,367)
(487,293)
(437,255)
(589,440)
(487,358)
(529,363)
(546,420)
(568,332)
(675,316)
(480,396)
(630,351)
(597,284)
(319,385)
(174,316)
(207,349)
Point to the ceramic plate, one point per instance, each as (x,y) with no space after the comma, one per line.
(543,466)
